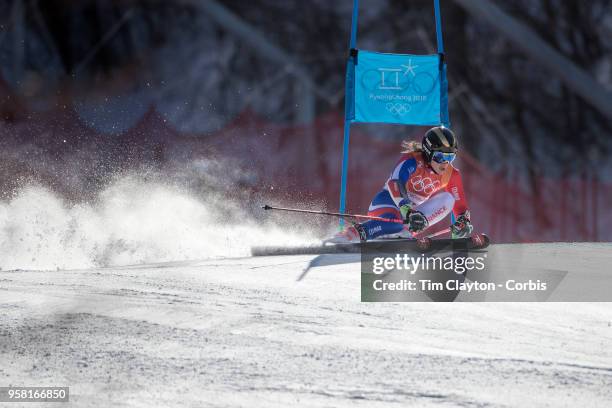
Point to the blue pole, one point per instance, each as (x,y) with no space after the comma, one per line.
(345,148)
(438,27)
(444,117)
(347,121)
(353,42)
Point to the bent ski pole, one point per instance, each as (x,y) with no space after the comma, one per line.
(333,214)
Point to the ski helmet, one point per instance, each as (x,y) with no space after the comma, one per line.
(439,139)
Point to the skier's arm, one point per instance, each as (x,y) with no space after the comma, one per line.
(455,187)
(462,228)
(396,185)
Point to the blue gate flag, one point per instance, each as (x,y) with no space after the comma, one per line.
(418,97)
(397,88)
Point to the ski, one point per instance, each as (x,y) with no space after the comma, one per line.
(428,244)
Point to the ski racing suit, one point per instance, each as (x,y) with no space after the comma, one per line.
(415,183)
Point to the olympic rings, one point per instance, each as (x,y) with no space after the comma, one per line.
(398,109)
(424,184)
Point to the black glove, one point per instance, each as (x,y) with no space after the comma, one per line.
(462,228)
(416,221)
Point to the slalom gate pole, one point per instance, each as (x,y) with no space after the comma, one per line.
(347,121)
(438,17)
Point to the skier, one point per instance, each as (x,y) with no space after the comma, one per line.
(422,190)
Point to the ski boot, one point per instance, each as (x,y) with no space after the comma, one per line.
(351,235)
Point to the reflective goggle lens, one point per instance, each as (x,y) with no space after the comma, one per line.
(441,157)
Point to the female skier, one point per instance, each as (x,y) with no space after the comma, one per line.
(422,190)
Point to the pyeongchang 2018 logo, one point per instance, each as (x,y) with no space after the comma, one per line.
(398,109)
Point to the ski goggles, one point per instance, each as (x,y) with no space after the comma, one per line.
(441,157)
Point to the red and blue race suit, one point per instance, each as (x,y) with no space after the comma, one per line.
(414,182)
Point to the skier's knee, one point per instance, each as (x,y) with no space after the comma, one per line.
(438,207)
(447,200)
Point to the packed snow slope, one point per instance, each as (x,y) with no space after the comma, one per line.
(246,332)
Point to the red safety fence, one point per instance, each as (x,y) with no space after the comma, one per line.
(304,162)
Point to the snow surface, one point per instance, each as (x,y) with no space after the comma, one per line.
(246,332)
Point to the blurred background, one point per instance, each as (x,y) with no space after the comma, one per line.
(245,100)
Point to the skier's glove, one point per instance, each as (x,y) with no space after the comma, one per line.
(416,221)
(462,228)
(405,209)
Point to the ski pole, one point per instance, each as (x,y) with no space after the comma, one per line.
(333,214)
(368,217)
(441,232)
